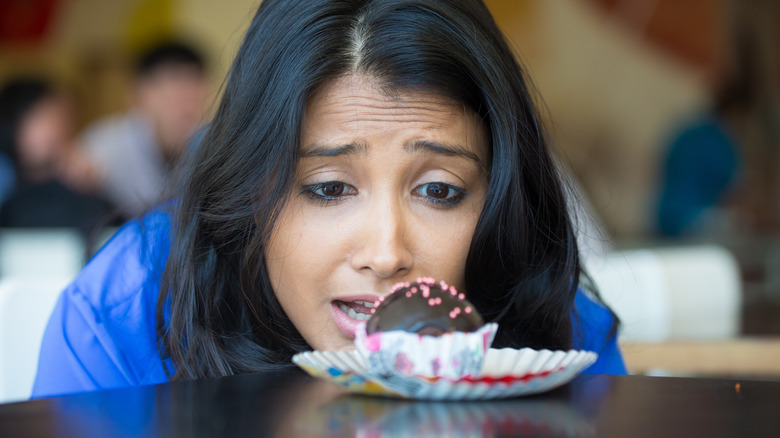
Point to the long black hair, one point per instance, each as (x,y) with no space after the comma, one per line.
(217,313)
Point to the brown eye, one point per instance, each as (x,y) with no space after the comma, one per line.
(438,191)
(440,194)
(333,189)
(329,191)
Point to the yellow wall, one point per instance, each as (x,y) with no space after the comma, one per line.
(219,26)
(91,45)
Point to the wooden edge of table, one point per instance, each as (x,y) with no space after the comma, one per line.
(742,356)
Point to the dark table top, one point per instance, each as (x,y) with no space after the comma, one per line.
(289,404)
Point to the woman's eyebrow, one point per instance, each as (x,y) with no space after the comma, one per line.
(415,146)
(442,149)
(319,150)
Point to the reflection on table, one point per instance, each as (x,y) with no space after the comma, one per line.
(325,411)
(292,404)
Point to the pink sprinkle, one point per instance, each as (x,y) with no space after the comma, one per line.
(452,315)
(467,309)
(461,297)
(443,285)
(438,300)
(426,280)
(453,291)
(380,299)
(456,310)
(397,286)
(426,291)
(408,294)
(373,310)
(431,302)
(414,290)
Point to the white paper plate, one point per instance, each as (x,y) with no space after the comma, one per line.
(505,373)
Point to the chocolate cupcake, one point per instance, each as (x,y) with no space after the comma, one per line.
(426,328)
(426,308)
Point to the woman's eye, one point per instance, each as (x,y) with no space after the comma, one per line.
(332,188)
(435,190)
(440,194)
(329,191)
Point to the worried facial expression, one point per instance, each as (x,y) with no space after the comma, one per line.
(389,188)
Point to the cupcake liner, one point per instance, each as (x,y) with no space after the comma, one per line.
(451,355)
(505,373)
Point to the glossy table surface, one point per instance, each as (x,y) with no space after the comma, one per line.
(290,404)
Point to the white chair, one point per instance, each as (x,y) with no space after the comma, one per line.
(38,253)
(35,266)
(25,306)
(677,293)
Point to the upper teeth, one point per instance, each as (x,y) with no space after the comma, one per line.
(365,304)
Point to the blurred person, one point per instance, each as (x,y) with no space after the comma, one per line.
(132,154)
(7,177)
(36,138)
(704,172)
(703,168)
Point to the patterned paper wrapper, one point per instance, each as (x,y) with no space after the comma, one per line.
(452,355)
(506,372)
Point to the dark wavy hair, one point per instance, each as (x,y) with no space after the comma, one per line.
(217,313)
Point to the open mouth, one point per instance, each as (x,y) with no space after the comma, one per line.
(357,310)
(350,312)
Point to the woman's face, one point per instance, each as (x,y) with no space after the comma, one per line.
(388,189)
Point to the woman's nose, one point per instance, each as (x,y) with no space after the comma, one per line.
(382,246)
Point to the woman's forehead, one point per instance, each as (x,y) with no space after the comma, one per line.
(357,105)
(370,91)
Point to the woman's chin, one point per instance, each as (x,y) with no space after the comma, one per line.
(345,347)
(341,346)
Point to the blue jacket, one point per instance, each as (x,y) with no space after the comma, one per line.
(102,333)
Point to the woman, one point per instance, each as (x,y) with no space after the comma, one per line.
(357,144)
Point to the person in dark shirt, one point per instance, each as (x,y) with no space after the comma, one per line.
(36,128)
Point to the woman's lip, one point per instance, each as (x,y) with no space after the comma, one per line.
(345,324)
(369,298)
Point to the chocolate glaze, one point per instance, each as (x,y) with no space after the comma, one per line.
(424,307)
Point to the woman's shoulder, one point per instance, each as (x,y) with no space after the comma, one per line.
(593,321)
(591,307)
(595,329)
(103,328)
(131,262)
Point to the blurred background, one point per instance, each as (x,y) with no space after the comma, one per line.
(665,115)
